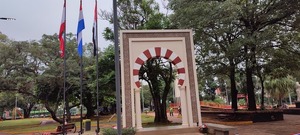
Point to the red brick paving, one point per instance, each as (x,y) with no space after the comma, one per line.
(289,126)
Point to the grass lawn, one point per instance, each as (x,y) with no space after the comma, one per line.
(33,125)
(25,126)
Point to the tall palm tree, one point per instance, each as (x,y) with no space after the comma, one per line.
(279,88)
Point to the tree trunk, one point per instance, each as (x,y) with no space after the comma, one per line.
(88,105)
(250,62)
(250,89)
(68,116)
(160,111)
(262,105)
(27,110)
(159,96)
(53,114)
(234,91)
(157,110)
(280,102)
(151,108)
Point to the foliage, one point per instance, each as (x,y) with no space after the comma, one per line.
(125,131)
(159,75)
(242,101)
(136,14)
(219,100)
(238,35)
(106,76)
(280,87)
(19,67)
(144,14)
(145,90)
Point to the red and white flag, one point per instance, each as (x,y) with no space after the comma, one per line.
(62,32)
(95,34)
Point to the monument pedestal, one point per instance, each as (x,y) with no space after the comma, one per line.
(297,104)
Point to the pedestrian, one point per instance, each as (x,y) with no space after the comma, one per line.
(171,111)
(179,110)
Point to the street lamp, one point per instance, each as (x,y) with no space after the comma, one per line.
(117,67)
(16,106)
(8,19)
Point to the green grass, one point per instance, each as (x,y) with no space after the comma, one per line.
(19,122)
(32,125)
(24,126)
(147,119)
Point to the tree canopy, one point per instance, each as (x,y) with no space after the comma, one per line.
(239,35)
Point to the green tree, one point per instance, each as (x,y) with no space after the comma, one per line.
(217,37)
(136,14)
(144,14)
(159,76)
(258,19)
(254,28)
(145,90)
(280,87)
(49,85)
(19,66)
(106,78)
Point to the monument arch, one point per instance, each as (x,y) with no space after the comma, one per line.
(158,52)
(138,46)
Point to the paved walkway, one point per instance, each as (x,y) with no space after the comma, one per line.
(289,126)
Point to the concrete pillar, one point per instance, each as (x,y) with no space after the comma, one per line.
(138,115)
(189,106)
(183,106)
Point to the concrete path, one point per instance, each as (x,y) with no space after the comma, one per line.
(289,126)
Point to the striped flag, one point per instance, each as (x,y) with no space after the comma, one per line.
(62,32)
(80,27)
(95,34)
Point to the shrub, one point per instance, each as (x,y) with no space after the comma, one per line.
(125,131)
(219,100)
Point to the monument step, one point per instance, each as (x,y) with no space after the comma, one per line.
(169,130)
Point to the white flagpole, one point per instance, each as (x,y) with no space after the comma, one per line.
(64,52)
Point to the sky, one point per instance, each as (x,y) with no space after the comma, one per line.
(37,17)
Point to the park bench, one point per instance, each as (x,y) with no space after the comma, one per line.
(70,127)
(218,129)
(224,116)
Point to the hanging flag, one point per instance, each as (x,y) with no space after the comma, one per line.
(62,32)
(95,34)
(80,27)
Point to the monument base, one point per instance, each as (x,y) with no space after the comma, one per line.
(297,104)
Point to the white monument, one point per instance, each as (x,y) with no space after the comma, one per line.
(138,46)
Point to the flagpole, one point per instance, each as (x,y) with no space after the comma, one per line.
(97,71)
(80,51)
(117,67)
(64,102)
(81,70)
